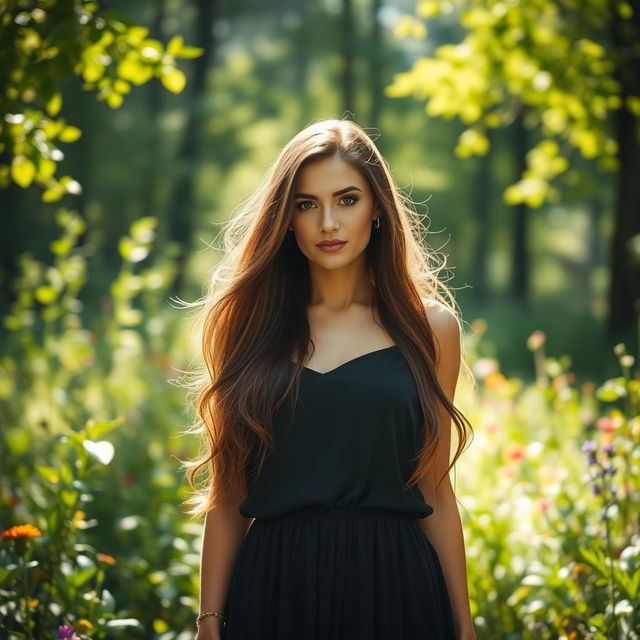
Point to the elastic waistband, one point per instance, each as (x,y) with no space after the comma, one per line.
(345,511)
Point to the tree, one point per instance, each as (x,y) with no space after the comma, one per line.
(574,65)
(42,46)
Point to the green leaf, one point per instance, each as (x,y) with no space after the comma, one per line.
(174,80)
(23,171)
(70,134)
(46,294)
(190,52)
(175,45)
(54,104)
(96,429)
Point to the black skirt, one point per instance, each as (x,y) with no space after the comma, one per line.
(332,574)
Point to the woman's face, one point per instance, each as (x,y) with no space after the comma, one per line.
(333,201)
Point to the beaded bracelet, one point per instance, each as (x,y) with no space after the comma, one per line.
(202,616)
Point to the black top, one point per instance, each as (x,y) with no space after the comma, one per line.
(348,443)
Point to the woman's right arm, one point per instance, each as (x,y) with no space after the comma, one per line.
(224,530)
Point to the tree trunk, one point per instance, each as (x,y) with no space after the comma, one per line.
(624,292)
(376,60)
(348,56)
(182,214)
(520,257)
(482,208)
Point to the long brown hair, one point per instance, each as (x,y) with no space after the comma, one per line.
(254,320)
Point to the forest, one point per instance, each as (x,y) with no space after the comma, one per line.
(131,132)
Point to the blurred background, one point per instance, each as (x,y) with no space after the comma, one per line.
(131,131)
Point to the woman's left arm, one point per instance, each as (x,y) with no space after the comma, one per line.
(443,527)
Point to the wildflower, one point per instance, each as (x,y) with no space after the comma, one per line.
(22,531)
(515,452)
(606,424)
(589,446)
(597,489)
(627,361)
(495,381)
(609,449)
(611,469)
(544,504)
(105,557)
(20,534)
(83,625)
(591,459)
(66,632)
(485,367)
(536,340)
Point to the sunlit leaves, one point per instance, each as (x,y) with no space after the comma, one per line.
(47,44)
(530,54)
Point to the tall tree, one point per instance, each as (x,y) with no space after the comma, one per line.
(181,214)
(575,66)
(348,56)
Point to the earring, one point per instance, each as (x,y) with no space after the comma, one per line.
(377,223)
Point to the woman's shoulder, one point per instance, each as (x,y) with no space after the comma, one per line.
(440,316)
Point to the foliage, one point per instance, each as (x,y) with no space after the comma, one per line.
(550,487)
(554,59)
(552,490)
(42,44)
(61,385)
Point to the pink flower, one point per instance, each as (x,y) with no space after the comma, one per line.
(605,424)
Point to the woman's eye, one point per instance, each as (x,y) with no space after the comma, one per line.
(301,204)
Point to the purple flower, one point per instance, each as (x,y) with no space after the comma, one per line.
(611,469)
(589,446)
(609,449)
(597,489)
(66,632)
(591,459)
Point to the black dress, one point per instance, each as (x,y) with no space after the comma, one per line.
(336,551)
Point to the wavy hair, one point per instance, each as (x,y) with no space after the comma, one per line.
(254,323)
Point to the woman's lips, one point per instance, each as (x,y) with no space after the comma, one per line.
(331,248)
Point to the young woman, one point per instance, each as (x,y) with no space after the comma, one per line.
(332,353)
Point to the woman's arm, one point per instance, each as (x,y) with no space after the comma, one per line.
(444,527)
(224,530)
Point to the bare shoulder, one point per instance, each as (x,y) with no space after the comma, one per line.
(442,319)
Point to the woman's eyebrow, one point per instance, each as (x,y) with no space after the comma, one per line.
(337,193)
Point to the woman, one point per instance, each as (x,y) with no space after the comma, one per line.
(332,354)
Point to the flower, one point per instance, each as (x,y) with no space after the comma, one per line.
(536,340)
(515,452)
(608,449)
(82,625)
(606,424)
(105,557)
(22,531)
(66,632)
(589,446)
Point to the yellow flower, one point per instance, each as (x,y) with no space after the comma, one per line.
(82,625)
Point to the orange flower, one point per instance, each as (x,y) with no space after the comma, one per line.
(514,452)
(22,531)
(105,557)
(495,381)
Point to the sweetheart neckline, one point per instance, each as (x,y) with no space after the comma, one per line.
(344,364)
